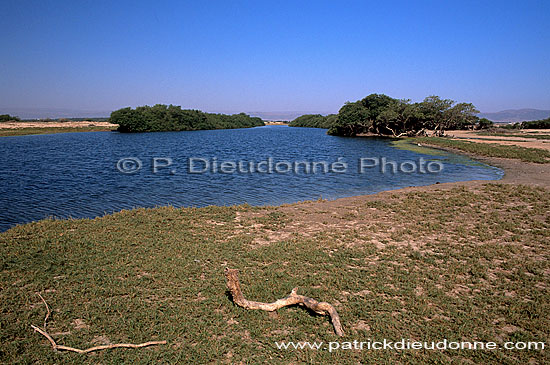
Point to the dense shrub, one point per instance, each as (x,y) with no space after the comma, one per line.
(383,115)
(8,118)
(172,118)
(536,124)
(314,121)
(484,123)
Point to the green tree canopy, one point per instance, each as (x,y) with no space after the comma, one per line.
(314,121)
(353,118)
(383,115)
(8,118)
(172,118)
(536,124)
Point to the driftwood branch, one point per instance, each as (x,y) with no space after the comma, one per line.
(322,308)
(55,346)
(47,311)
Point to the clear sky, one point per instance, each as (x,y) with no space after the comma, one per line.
(233,56)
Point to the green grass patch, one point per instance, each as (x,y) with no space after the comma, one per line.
(522,135)
(535,155)
(468,266)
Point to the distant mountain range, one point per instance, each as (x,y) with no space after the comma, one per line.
(516,115)
(283,116)
(510,115)
(55,113)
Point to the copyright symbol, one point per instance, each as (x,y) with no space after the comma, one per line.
(129,165)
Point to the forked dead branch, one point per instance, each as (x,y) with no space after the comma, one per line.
(56,347)
(323,308)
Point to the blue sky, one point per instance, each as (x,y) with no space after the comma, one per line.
(233,56)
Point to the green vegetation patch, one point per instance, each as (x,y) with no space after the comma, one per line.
(536,155)
(385,116)
(521,135)
(8,118)
(460,264)
(314,121)
(533,124)
(410,144)
(161,117)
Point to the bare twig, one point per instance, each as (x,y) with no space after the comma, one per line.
(55,346)
(48,311)
(322,308)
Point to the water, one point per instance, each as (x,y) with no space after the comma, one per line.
(76,175)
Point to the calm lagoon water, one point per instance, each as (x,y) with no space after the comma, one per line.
(76,174)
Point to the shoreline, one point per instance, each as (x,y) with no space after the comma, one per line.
(516,172)
(16,129)
(312,218)
(417,261)
(56,124)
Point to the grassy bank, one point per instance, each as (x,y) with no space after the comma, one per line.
(520,135)
(51,130)
(535,155)
(465,264)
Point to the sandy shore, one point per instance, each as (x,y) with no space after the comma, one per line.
(311,218)
(515,171)
(69,124)
(512,140)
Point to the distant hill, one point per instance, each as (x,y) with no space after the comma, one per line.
(54,113)
(510,115)
(286,116)
(516,115)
